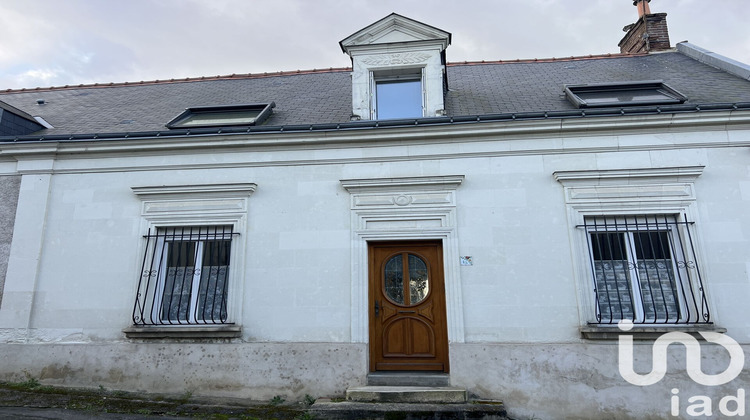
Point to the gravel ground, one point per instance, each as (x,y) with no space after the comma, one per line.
(30,400)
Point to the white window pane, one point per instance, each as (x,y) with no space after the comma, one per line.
(613,290)
(656,274)
(635,262)
(212,291)
(185,276)
(178,281)
(611,270)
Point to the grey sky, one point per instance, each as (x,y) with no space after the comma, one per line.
(56,42)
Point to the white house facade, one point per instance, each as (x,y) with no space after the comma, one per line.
(500,247)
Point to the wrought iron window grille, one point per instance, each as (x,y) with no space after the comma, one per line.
(184,276)
(644,268)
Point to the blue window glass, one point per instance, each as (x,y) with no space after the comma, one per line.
(399,99)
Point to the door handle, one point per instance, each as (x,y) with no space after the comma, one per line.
(377,307)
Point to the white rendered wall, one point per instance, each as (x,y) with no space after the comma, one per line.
(511,220)
(520,296)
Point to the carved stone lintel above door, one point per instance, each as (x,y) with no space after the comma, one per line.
(429,191)
(404,209)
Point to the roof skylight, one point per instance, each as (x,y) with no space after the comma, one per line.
(651,92)
(222,116)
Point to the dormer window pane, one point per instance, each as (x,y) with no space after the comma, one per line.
(625,96)
(649,92)
(222,116)
(398,99)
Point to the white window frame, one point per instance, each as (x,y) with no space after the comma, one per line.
(395,75)
(679,275)
(199,239)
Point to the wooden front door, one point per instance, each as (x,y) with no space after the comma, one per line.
(408,328)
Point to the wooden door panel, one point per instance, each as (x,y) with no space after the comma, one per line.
(408,328)
(408,337)
(426,312)
(395,339)
(422,338)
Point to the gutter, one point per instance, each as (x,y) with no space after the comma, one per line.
(383,124)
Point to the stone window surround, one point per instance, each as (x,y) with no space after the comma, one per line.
(618,192)
(397,44)
(198,205)
(370,65)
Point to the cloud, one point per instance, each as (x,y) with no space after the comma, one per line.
(38,77)
(86,41)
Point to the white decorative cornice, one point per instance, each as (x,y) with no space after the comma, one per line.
(165,191)
(408,192)
(717,129)
(422,183)
(177,203)
(395,59)
(661,175)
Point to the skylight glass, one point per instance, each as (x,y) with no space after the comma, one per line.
(221,116)
(623,94)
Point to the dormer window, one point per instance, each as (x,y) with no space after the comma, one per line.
(398,95)
(222,116)
(398,69)
(651,92)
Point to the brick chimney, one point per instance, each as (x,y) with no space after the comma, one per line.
(649,33)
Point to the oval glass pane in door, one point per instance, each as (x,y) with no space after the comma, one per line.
(419,283)
(394,279)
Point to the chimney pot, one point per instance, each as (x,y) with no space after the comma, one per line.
(643,8)
(649,33)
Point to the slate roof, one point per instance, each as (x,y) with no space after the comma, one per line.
(318,97)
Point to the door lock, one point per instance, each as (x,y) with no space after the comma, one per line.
(377,307)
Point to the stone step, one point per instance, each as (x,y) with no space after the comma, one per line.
(407,394)
(326,409)
(408,379)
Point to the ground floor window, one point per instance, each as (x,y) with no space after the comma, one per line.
(644,269)
(184,279)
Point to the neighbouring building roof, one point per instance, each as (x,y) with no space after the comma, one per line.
(13,121)
(324,96)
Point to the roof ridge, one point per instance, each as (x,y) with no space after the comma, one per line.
(180,80)
(549,60)
(298,72)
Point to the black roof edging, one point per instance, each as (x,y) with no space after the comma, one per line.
(384,124)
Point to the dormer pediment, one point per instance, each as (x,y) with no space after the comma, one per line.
(394,29)
(398,69)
